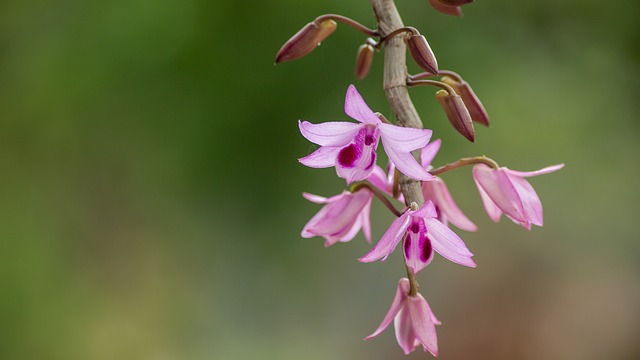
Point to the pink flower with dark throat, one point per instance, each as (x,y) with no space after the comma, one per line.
(422,233)
(341,217)
(436,191)
(413,319)
(506,191)
(351,147)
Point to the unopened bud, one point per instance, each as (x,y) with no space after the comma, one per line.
(470,99)
(364,58)
(446,9)
(421,53)
(457,113)
(305,40)
(456,2)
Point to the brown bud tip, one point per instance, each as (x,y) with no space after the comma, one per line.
(305,40)
(456,2)
(457,114)
(470,99)
(364,58)
(421,53)
(446,9)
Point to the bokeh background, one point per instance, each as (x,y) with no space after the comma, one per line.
(150,200)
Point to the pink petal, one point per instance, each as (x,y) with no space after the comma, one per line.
(378,178)
(365,215)
(422,321)
(335,133)
(324,157)
(389,240)
(336,220)
(547,170)
(492,209)
(407,164)
(396,305)
(448,244)
(362,167)
(498,185)
(356,108)
(530,200)
(429,152)
(404,331)
(404,139)
(437,191)
(428,210)
(315,198)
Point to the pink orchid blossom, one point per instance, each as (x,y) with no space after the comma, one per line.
(436,191)
(351,147)
(424,234)
(413,319)
(341,218)
(506,191)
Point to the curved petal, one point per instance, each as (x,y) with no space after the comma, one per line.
(437,191)
(404,139)
(407,164)
(491,208)
(365,214)
(323,157)
(389,240)
(356,108)
(530,200)
(547,170)
(335,133)
(422,321)
(315,198)
(378,178)
(498,185)
(429,152)
(428,210)
(448,244)
(404,331)
(396,305)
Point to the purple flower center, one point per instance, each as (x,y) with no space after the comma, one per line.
(368,140)
(415,228)
(348,155)
(426,249)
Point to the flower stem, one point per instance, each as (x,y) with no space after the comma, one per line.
(413,282)
(345,20)
(406,29)
(425,75)
(464,161)
(378,194)
(439,84)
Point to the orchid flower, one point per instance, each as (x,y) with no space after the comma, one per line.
(414,321)
(341,218)
(506,191)
(424,234)
(436,191)
(351,147)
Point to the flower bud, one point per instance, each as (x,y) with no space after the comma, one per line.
(305,40)
(457,113)
(455,2)
(471,101)
(446,9)
(421,53)
(364,58)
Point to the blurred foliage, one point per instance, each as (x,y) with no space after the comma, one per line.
(150,193)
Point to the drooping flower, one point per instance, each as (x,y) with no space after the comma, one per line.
(351,147)
(506,191)
(414,321)
(422,233)
(436,191)
(341,217)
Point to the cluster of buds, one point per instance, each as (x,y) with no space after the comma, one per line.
(423,229)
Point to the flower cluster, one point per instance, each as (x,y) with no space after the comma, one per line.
(423,230)
(423,223)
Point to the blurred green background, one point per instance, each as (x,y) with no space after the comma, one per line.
(150,200)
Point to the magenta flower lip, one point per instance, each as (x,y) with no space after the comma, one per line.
(351,147)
